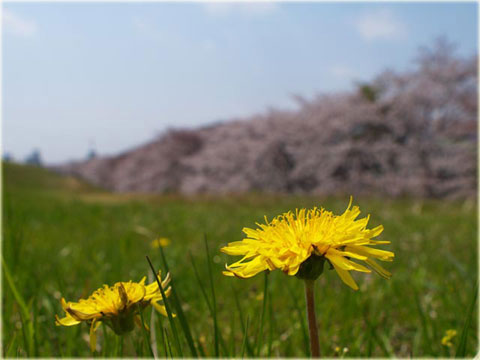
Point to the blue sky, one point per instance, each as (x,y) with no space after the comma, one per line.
(114,75)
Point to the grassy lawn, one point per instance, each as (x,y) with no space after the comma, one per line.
(63,238)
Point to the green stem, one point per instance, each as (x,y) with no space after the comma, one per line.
(312,318)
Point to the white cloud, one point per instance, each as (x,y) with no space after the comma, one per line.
(381,25)
(17,25)
(222,9)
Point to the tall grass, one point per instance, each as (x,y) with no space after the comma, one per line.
(64,238)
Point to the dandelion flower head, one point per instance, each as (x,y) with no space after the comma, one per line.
(447,339)
(299,243)
(117,306)
(160,242)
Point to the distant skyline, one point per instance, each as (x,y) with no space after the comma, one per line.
(114,75)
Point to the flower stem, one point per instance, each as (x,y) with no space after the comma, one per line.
(312,318)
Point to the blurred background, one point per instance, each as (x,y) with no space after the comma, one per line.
(123,123)
(208,97)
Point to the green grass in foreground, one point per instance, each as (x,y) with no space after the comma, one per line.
(64,238)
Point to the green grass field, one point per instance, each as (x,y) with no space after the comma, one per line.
(64,238)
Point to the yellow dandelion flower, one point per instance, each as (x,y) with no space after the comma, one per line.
(447,339)
(117,306)
(160,242)
(299,243)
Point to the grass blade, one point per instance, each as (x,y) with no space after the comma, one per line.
(258,344)
(370,335)
(240,313)
(25,313)
(423,319)
(35,329)
(214,301)
(232,333)
(153,332)
(169,311)
(121,345)
(201,349)
(462,345)
(180,314)
(386,345)
(209,305)
(301,319)
(245,337)
(223,345)
(10,349)
(25,337)
(118,346)
(167,340)
(164,342)
(145,334)
(137,346)
(270,328)
(202,288)
(106,346)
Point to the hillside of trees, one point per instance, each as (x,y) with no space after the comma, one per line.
(411,133)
